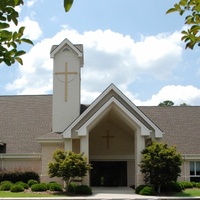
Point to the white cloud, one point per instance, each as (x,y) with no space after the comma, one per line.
(110,57)
(176,93)
(32,30)
(30,3)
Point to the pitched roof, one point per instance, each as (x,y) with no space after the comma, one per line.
(181,125)
(27,117)
(24,118)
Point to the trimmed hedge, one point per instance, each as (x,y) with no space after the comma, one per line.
(6,185)
(39,187)
(147,190)
(139,188)
(32,182)
(21,183)
(19,176)
(17,188)
(71,188)
(83,190)
(55,187)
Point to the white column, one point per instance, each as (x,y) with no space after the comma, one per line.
(84,148)
(68,144)
(139,146)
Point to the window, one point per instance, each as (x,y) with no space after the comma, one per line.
(2,148)
(195,171)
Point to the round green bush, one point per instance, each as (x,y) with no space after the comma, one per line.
(24,185)
(39,187)
(55,187)
(3,182)
(6,186)
(147,190)
(83,189)
(17,188)
(175,187)
(139,188)
(197,185)
(32,182)
(48,184)
(71,188)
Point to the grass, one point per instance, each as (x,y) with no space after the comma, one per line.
(29,194)
(194,192)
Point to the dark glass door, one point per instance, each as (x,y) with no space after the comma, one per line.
(109,173)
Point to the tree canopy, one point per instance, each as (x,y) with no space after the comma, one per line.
(166,103)
(9,39)
(68,165)
(191,8)
(160,164)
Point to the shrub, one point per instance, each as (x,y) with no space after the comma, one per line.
(194,184)
(39,187)
(185,184)
(17,188)
(21,183)
(147,190)
(198,185)
(175,187)
(32,182)
(139,188)
(48,184)
(3,182)
(83,189)
(72,187)
(55,187)
(18,176)
(6,185)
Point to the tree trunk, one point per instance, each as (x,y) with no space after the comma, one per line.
(159,188)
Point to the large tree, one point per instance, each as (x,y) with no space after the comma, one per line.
(68,165)
(160,164)
(9,39)
(191,10)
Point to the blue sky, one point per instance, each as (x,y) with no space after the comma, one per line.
(134,45)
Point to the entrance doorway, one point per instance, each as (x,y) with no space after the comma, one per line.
(108,173)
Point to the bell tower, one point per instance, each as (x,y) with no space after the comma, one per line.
(67,63)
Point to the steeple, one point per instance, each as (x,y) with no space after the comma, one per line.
(67,61)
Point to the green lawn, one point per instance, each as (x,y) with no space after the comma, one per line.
(28,194)
(195,192)
(186,193)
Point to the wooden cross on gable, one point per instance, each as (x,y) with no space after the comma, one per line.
(108,137)
(66,73)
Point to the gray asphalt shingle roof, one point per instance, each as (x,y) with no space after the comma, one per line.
(27,117)
(24,118)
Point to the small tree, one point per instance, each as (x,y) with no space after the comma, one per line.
(68,165)
(160,164)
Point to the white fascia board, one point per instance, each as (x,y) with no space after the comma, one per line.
(66,41)
(82,131)
(67,132)
(158,133)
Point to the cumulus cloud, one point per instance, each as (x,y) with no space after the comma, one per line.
(110,57)
(176,93)
(32,30)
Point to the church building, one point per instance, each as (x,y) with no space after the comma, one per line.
(111,131)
